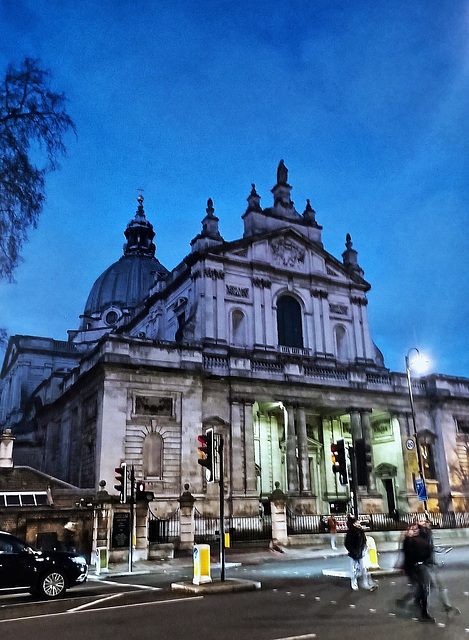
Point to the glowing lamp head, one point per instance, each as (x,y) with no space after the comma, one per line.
(419,363)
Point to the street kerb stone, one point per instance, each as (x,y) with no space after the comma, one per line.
(218,586)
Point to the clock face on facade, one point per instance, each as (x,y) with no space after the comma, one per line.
(410,444)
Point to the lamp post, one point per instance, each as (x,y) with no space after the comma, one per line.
(420,363)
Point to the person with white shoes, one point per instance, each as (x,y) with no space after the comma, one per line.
(355,543)
(332,524)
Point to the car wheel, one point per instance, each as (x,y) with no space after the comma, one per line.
(52,584)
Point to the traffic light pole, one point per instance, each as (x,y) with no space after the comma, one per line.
(353,483)
(131,517)
(222,508)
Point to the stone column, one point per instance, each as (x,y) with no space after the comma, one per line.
(270,325)
(237,457)
(292,465)
(250,462)
(279,516)
(208,304)
(317,320)
(305,476)
(258,316)
(328,337)
(366,430)
(220,325)
(355,424)
(186,519)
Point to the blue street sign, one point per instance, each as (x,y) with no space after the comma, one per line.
(420,489)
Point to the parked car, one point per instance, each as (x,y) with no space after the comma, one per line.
(47,574)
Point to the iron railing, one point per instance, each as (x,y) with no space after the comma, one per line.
(163,530)
(310,524)
(241,529)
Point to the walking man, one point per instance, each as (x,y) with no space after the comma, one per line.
(355,543)
(418,556)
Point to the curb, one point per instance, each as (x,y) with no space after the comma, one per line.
(229,585)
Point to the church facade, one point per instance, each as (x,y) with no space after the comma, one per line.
(265,340)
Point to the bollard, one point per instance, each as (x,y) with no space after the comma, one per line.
(371,557)
(102,558)
(201,564)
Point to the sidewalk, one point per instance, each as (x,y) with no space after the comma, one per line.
(260,555)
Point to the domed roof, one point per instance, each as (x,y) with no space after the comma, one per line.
(126,283)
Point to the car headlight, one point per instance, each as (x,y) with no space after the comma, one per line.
(78,560)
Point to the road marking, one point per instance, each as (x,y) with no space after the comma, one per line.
(91,604)
(118,606)
(137,586)
(335,574)
(308,636)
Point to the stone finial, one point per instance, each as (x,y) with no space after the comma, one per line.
(186,499)
(350,257)
(309,214)
(210,210)
(253,200)
(277,495)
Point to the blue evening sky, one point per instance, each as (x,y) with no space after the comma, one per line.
(367,101)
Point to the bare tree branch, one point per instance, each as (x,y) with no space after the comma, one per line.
(32,117)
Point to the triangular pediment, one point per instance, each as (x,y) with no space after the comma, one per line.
(288,250)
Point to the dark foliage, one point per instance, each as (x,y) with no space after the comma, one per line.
(33,121)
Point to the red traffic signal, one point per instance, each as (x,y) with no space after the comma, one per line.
(205,450)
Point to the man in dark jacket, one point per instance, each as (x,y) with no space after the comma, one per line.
(418,556)
(355,543)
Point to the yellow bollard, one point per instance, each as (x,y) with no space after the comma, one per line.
(201,564)
(227,540)
(371,556)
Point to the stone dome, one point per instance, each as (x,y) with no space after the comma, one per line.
(126,283)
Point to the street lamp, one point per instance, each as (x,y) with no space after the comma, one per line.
(419,363)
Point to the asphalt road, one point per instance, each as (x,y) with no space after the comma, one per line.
(297,601)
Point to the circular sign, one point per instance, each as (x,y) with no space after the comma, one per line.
(410,444)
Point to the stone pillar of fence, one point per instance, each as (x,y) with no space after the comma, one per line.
(279,515)
(186,519)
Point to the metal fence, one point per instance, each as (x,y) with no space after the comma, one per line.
(163,530)
(259,528)
(310,524)
(241,529)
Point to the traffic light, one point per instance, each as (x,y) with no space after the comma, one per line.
(121,480)
(206,457)
(339,460)
(362,461)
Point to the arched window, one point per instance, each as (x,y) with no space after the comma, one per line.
(153,456)
(341,343)
(238,328)
(290,332)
